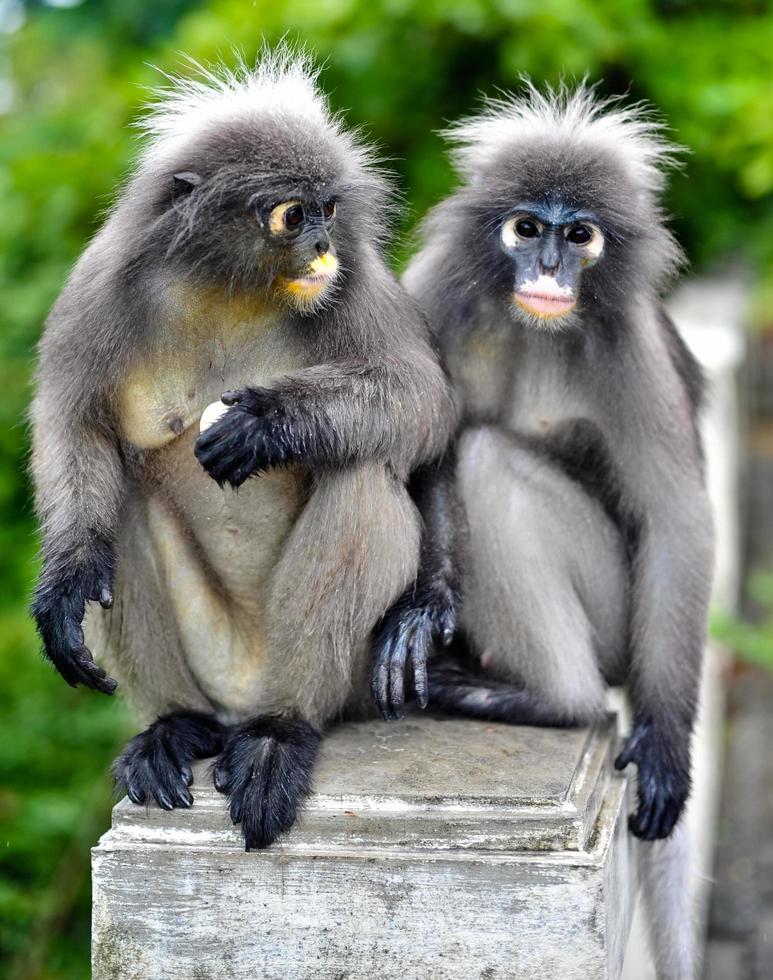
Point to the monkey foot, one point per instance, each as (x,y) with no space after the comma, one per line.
(156,764)
(663,780)
(265,770)
(405,636)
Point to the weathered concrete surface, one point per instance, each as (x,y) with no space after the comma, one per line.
(432,848)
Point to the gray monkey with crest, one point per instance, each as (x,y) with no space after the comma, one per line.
(242,259)
(579,465)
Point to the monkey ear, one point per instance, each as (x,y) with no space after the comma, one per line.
(184,183)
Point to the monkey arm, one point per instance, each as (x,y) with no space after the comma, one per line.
(397,409)
(79,487)
(671,581)
(428,608)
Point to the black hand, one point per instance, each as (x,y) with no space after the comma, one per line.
(252,436)
(406,633)
(663,778)
(58,610)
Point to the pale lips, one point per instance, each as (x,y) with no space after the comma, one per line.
(318,279)
(544,305)
(544,297)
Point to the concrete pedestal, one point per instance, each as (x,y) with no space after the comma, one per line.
(430,848)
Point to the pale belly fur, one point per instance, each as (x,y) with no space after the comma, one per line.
(214,548)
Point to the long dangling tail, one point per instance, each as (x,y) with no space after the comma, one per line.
(667,893)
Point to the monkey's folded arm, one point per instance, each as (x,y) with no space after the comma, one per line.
(79,487)
(330,415)
(427,610)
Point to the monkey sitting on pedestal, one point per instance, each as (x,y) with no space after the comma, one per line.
(243,257)
(580,470)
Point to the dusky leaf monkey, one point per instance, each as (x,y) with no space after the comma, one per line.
(580,470)
(244,256)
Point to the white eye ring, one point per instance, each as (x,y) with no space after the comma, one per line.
(595,245)
(511,238)
(276,220)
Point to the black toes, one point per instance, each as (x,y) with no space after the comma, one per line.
(220,777)
(265,768)
(155,765)
(405,637)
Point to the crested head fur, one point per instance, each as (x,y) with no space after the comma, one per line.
(566,146)
(248,137)
(572,119)
(282,83)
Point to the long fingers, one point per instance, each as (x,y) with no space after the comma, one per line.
(419,649)
(406,638)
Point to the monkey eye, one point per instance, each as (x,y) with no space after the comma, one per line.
(286,217)
(293,216)
(329,210)
(520,228)
(526,228)
(579,234)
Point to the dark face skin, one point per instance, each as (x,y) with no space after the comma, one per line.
(281,240)
(299,229)
(549,244)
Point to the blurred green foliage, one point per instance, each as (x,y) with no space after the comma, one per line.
(751,640)
(73,77)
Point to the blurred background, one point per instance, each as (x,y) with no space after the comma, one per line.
(72,77)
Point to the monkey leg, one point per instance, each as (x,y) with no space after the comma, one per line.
(265,769)
(455,685)
(545,593)
(156,764)
(352,551)
(139,637)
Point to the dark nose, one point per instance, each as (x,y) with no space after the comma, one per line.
(550,259)
(322,245)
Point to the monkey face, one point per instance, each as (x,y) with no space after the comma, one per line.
(300,230)
(270,204)
(549,246)
(278,240)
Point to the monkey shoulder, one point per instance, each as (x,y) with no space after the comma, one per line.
(381,303)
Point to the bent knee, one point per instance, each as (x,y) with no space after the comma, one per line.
(368,533)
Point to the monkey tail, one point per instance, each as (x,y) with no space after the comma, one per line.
(667,893)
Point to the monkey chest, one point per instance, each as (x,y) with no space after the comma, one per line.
(164,396)
(543,398)
(160,408)
(214,549)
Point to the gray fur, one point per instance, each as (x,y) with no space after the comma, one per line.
(667,881)
(577,578)
(564,589)
(263,600)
